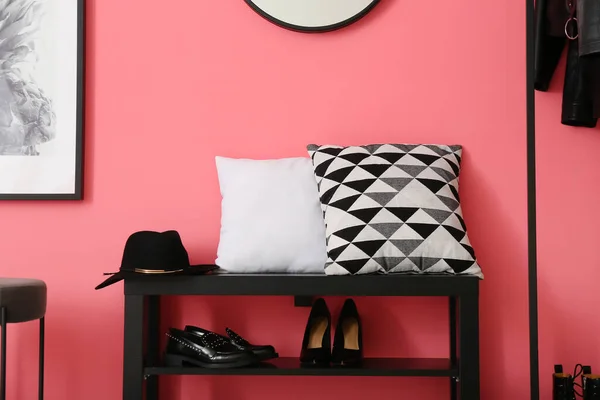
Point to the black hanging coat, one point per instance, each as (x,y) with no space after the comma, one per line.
(589,47)
(551,38)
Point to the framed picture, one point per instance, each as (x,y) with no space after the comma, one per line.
(41,99)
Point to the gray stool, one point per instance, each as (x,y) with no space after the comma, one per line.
(21,300)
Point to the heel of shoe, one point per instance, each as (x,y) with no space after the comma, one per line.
(174,360)
(178,360)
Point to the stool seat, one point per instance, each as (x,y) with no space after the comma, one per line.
(23,299)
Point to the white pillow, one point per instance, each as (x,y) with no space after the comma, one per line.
(271,217)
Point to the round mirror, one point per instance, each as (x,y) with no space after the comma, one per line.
(312,15)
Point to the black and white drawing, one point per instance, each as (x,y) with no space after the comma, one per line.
(41,96)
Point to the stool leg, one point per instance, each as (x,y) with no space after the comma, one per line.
(3,350)
(41,361)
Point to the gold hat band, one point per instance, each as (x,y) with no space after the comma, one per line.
(155,271)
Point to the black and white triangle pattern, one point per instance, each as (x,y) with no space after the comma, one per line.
(393,208)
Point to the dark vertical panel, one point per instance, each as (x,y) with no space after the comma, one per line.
(42,350)
(468,348)
(153,344)
(453,350)
(133,352)
(531,203)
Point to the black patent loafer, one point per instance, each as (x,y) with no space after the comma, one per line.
(316,344)
(347,342)
(208,351)
(262,351)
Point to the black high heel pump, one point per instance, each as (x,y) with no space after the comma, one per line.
(316,345)
(347,343)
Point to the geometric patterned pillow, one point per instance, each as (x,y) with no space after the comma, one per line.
(393,208)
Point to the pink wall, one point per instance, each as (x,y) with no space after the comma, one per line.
(171,86)
(568,221)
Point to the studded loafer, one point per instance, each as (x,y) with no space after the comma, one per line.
(207,350)
(262,352)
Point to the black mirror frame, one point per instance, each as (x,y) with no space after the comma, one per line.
(317,29)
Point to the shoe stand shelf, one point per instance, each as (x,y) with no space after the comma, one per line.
(141,359)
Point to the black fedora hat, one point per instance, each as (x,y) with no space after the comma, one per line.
(155,253)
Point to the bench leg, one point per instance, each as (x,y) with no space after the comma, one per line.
(153,336)
(133,349)
(468,359)
(41,360)
(3,350)
(453,345)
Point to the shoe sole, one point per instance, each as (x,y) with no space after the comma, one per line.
(264,356)
(176,360)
